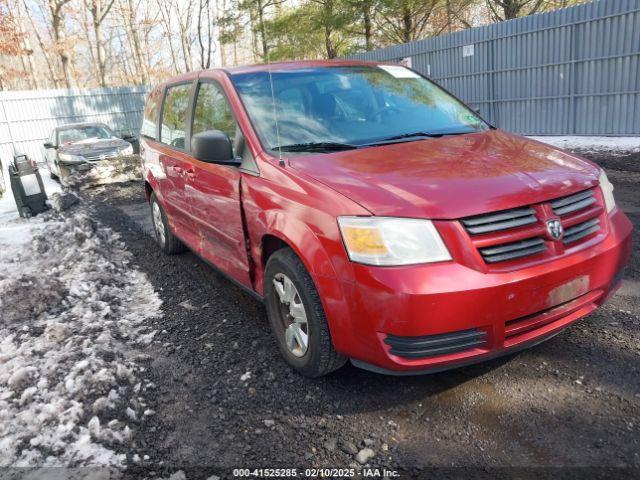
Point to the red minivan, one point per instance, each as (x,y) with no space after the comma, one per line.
(379,218)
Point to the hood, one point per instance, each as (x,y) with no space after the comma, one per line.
(451,177)
(93,146)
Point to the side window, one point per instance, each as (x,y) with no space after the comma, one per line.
(174,115)
(212,111)
(150,118)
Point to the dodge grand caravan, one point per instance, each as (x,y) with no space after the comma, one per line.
(379,218)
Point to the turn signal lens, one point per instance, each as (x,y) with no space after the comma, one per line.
(364,240)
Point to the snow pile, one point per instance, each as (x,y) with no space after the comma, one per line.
(619,145)
(113,170)
(72,313)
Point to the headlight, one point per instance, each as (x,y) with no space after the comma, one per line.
(607,191)
(68,158)
(127,151)
(392,241)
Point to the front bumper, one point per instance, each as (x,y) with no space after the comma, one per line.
(511,309)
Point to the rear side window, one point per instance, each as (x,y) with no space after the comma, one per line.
(150,118)
(212,111)
(174,115)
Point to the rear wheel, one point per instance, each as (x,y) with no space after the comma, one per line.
(297,317)
(167,241)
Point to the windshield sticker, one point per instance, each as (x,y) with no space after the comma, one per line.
(398,71)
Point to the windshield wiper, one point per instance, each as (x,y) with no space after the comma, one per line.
(403,136)
(316,147)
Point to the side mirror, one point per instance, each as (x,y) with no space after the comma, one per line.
(49,145)
(213,146)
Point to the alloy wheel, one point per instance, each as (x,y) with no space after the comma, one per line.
(158,223)
(293,316)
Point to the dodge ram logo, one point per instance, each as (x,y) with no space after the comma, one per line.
(554,227)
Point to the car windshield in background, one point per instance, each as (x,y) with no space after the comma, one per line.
(333,108)
(89,132)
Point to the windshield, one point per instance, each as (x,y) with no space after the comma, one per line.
(89,132)
(353,105)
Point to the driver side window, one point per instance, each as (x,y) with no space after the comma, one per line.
(212,111)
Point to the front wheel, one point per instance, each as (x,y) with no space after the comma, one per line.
(297,318)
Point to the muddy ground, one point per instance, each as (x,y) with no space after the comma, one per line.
(569,407)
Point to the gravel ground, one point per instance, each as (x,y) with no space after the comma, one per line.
(225,399)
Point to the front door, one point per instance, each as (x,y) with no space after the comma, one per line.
(215,190)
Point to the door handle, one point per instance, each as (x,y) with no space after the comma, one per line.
(178,170)
(190,173)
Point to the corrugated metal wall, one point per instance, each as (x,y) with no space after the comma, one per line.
(28,117)
(573,71)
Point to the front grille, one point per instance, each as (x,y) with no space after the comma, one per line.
(577,232)
(521,232)
(432,345)
(509,251)
(573,203)
(101,156)
(494,222)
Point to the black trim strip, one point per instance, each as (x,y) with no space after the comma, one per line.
(497,217)
(574,207)
(561,202)
(581,230)
(516,254)
(510,247)
(573,203)
(432,345)
(432,352)
(495,227)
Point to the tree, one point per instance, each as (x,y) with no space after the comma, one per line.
(128,10)
(59,37)
(206,42)
(331,19)
(165,13)
(501,10)
(61,43)
(10,47)
(99,9)
(363,12)
(403,21)
(43,49)
(295,34)
(258,11)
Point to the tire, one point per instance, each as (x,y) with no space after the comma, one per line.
(167,241)
(319,358)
